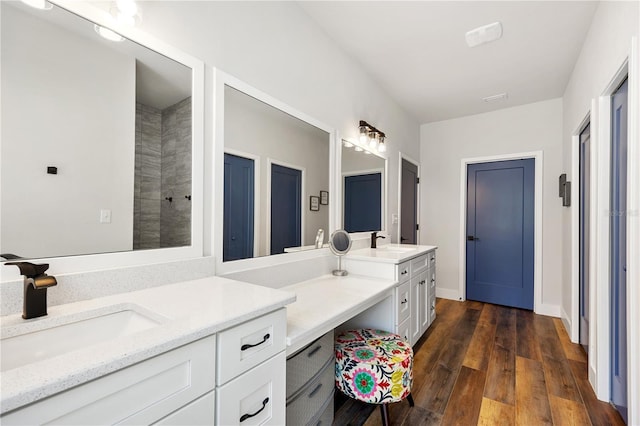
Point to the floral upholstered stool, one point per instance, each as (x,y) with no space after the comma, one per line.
(374,366)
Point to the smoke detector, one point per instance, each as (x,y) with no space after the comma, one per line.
(484,34)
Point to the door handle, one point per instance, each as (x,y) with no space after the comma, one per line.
(403,239)
(472,238)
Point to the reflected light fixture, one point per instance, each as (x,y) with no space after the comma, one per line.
(371,138)
(347,144)
(38,4)
(107,33)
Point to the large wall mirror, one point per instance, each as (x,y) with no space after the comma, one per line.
(364,194)
(98,139)
(276,165)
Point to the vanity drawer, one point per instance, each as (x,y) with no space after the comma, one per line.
(140,394)
(431,279)
(403,307)
(403,271)
(432,308)
(404,330)
(326,414)
(247,345)
(256,397)
(198,413)
(308,403)
(420,263)
(305,364)
(432,258)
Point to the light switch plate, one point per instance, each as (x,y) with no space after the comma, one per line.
(394,219)
(105,216)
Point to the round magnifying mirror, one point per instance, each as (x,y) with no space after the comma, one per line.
(340,244)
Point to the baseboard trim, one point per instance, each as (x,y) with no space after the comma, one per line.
(566,321)
(447,293)
(549,310)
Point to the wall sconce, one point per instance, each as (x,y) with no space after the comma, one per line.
(371,138)
(564,190)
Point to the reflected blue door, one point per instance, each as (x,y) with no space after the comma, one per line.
(618,250)
(584,220)
(362,201)
(238,208)
(500,232)
(286,214)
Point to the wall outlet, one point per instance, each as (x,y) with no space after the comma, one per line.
(105,216)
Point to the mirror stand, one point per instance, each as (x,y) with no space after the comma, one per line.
(340,244)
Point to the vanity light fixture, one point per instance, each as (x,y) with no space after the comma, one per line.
(38,4)
(371,138)
(108,34)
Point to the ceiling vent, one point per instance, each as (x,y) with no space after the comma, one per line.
(484,34)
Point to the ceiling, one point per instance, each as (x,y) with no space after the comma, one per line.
(416,50)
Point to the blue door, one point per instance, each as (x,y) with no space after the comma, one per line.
(584,220)
(238,208)
(362,201)
(500,232)
(286,214)
(618,250)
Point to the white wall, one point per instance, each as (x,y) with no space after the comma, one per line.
(44,123)
(254,127)
(533,127)
(278,49)
(605,49)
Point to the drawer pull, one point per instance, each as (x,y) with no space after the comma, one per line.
(422,282)
(315,390)
(248,416)
(404,301)
(248,346)
(316,349)
(405,272)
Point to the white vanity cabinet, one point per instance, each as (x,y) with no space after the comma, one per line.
(143,393)
(251,368)
(415,292)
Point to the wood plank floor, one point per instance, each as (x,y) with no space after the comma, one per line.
(492,365)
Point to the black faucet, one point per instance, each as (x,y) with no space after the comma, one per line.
(36,283)
(374,239)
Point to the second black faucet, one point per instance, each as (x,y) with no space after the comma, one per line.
(374,239)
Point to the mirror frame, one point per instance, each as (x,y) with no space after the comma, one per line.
(220,80)
(99,261)
(385,197)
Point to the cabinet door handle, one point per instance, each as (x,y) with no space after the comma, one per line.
(404,301)
(248,416)
(247,346)
(315,390)
(316,349)
(404,272)
(422,282)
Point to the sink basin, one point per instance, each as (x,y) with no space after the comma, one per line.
(62,335)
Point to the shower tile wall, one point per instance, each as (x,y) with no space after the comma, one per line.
(163,170)
(146,208)
(175,217)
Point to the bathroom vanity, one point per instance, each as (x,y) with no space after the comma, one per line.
(197,352)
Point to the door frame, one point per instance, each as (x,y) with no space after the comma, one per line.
(270,162)
(256,193)
(538,307)
(401,157)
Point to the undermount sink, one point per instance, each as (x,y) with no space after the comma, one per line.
(60,335)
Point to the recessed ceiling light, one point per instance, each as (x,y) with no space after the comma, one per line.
(496,98)
(484,34)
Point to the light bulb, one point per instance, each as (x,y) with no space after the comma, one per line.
(127,7)
(382,147)
(373,141)
(364,137)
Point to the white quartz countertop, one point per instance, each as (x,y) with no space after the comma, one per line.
(326,302)
(188,311)
(389,253)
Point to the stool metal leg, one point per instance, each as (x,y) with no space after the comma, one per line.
(384,411)
(410,399)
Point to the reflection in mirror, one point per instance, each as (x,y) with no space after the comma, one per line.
(363,189)
(97,140)
(273,163)
(340,244)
